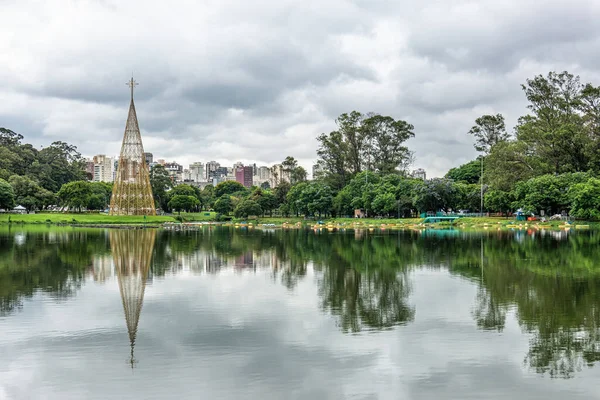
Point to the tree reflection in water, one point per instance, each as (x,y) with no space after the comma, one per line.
(549,281)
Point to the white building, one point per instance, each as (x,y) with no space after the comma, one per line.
(278,175)
(197,173)
(264,173)
(419,174)
(104,168)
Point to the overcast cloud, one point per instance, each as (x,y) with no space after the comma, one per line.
(232,80)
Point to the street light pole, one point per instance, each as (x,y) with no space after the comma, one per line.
(481,182)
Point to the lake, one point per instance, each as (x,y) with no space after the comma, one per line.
(224,313)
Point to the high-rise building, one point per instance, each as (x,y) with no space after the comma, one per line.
(197,173)
(243,175)
(175,171)
(278,175)
(149,158)
(210,168)
(419,174)
(89,168)
(264,173)
(104,168)
(219,173)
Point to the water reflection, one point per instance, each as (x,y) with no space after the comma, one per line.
(548,282)
(132,252)
(54,263)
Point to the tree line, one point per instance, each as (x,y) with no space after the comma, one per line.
(550,162)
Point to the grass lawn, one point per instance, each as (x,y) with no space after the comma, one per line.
(201,216)
(58,218)
(103,219)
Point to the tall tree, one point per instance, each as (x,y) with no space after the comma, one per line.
(468,173)
(332,159)
(182,202)
(590,107)
(75,195)
(9,138)
(29,194)
(161,183)
(229,188)
(246,208)
(350,127)
(488,131)
(292,171)
(555,130)
(7,195)
(60,163)
(223,205)
(386,137)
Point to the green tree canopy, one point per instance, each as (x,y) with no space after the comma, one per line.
(489,130)
(181,202)
(229,187)
(7,195)
(223,205)
(29,194)
(75,195)
(161,183)
(467,173)
(246,208)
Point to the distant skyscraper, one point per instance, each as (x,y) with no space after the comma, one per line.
(278,175)
(89,169)
(104,168)
(264,173)
(197,173)
(175,171)
(218,172)
(149,158)
(244,175)
(210,169)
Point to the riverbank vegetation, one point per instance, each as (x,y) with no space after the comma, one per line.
(548,164)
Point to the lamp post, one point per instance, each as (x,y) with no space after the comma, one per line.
(481,184)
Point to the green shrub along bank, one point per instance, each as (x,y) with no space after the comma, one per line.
(82,219)
(549,165)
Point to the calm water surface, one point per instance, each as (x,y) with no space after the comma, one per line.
(233,314)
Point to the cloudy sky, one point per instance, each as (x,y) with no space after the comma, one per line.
(234,80)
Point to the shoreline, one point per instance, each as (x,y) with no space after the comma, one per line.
(192,221)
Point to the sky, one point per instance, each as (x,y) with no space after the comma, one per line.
(232,80)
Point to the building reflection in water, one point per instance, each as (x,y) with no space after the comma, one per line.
(132,253)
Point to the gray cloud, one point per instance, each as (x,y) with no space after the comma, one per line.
(230,80)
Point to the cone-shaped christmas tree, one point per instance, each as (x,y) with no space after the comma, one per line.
(132,253)
(132,193)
